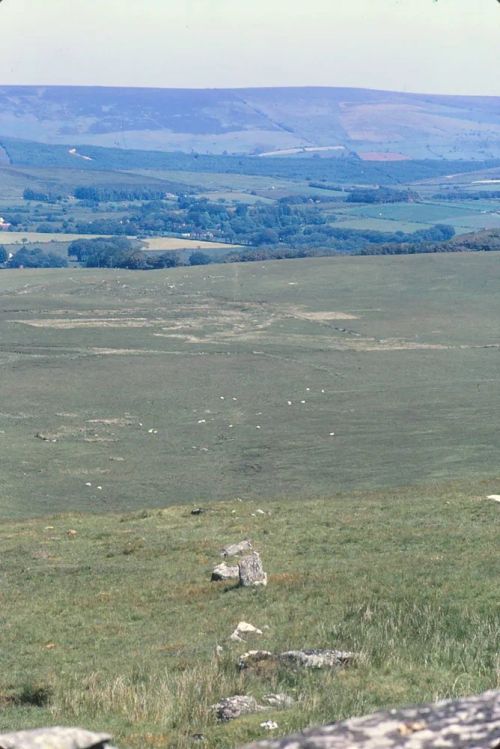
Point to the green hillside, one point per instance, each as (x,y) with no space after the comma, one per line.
(287,379)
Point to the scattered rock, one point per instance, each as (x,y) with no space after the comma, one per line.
(230,708)
(469,723)
(224,572)
(198,511)
(279,700)
(233,549)
(54,738)
(313,658)
(244,628)
(317,658)
(251,571)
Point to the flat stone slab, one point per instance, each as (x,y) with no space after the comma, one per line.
(55,738)
(310,658)
(316,658)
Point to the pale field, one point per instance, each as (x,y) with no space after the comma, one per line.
(16,237)
(154,244)
(175,243)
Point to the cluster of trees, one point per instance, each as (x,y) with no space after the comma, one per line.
(41,196)
(381,195)
(121,252)
(483,241)
(32,257)
(106,193)
(465,195)
(289,221)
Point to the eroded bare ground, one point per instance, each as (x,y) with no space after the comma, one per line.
(105,430)
(219,321)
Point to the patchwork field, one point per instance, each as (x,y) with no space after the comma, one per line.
(294,379)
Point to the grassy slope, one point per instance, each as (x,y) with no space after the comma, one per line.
(410,386)
(120,622)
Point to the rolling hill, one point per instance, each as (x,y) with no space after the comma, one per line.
(329,122)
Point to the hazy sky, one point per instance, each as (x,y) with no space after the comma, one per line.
(446,46)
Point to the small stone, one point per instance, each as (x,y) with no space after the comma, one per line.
(251,571)
(269,725)
(230,708)
(279,700)
(225,572)
(244,628)
(198,511)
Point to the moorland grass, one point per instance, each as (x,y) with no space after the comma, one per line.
(153,386)
(115,626)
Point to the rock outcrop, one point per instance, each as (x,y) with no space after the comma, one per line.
(470,723)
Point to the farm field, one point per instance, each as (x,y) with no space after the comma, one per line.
(162,244)
(464,216)
(125,390)
(15,237)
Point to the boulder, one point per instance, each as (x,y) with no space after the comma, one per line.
(54,738)
(233,549)
(317,658)
(251,571)
(230,708)
(469,723)
(225,572)
(243,629)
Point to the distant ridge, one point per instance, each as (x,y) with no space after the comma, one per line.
(326,122)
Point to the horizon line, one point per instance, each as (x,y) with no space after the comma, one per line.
(246,88)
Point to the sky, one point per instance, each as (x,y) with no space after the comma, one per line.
(432,46)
